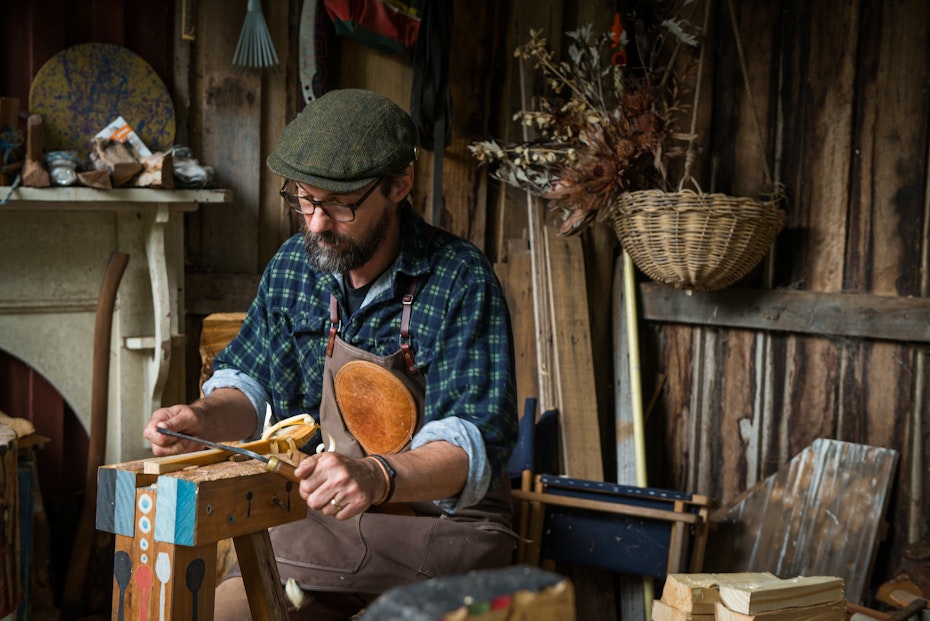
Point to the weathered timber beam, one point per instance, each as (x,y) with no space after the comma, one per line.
(856,315)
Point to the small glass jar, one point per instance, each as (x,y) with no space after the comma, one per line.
(62,166)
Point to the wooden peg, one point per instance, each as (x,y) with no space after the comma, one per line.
(34,173)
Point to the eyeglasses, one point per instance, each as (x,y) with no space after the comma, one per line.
(340,212)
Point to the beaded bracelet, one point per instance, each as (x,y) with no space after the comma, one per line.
(390,473)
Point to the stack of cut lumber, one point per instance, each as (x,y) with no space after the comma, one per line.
(750,596)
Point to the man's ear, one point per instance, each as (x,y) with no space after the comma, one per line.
(402,185)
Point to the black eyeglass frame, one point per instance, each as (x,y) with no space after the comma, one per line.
(352,207)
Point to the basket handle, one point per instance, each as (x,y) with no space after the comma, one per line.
(689,155)
(693,181)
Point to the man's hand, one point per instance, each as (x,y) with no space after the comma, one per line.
(432,471)
(225,414)
(183,418)
(340,486)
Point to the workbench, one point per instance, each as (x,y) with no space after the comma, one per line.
(167,527)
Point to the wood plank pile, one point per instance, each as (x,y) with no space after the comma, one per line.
(750,596)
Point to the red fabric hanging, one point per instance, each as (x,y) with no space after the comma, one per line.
(389,25)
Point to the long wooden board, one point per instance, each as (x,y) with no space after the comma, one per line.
(574,366)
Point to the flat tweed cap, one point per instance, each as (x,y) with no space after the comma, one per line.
(345,140)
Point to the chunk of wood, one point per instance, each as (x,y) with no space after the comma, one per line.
(833,611)
(34,173)
(218,330)
(664,612)
(699,593)
(116,157)
(780,594)
(22,426)
(158,172)
(99,179)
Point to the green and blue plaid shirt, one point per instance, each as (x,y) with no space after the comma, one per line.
(460,333)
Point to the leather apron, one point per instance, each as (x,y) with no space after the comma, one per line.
(376,551)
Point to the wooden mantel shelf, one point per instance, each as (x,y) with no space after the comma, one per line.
(78,197)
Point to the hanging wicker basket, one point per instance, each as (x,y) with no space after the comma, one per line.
(692,240)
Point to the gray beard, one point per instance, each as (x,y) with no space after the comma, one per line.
(356,252)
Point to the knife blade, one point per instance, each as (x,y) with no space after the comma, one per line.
(272,463)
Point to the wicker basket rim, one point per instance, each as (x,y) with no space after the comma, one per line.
(718,196)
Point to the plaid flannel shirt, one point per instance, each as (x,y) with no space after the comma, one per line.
(460,332)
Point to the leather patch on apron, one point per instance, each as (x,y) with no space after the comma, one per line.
(377,408)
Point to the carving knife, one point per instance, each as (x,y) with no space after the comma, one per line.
(272,463)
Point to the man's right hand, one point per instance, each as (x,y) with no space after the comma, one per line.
(182,418)
(225,414)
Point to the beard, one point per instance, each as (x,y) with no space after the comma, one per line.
(339,254)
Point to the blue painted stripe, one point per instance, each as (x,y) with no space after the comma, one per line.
(175,511)
(106,491)
(124,510)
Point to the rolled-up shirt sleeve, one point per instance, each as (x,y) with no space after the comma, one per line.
(232,378)
(466,436)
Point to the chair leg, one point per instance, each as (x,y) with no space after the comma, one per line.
(526,482)
(537,512)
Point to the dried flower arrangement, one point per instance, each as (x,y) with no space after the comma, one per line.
(605,129)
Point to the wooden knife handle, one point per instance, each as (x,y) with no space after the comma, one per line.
(279,466)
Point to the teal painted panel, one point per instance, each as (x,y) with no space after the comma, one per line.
(176,511)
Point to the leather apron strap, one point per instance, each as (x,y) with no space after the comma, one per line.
(339,353)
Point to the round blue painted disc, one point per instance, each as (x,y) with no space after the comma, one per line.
(80,90)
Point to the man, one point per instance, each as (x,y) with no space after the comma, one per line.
(369,290)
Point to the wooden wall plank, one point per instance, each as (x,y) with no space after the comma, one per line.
(890,129)
(820,47)
(516,280)
(748,402)
(279,105)
(887,229)
(228,138)
(574,370)
(736,405)
(675,355)
(817,40)
(544,15)
(470,63)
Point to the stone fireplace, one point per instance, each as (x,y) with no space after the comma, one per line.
(55,244)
